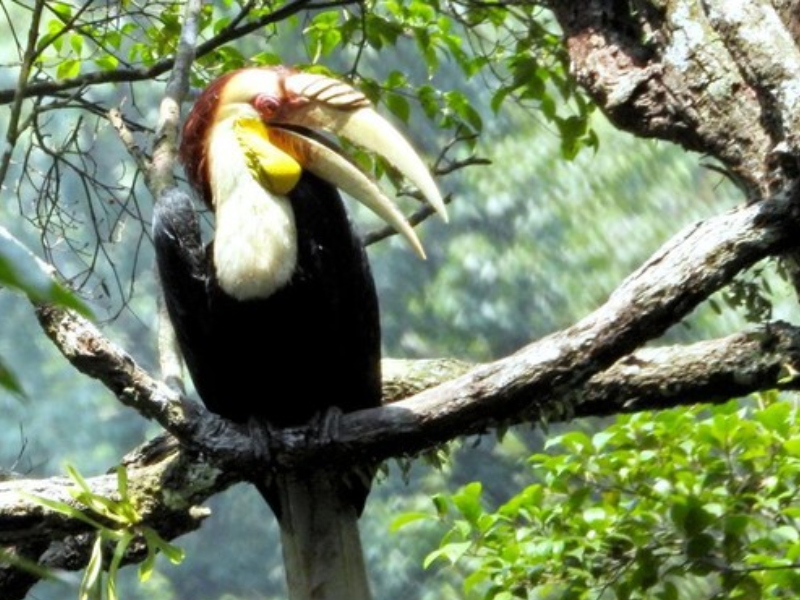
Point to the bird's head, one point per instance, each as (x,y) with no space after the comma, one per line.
(275,115)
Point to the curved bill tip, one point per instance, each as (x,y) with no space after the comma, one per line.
(338,170)
(337,107)
(366,128)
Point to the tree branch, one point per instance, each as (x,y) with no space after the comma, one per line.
(170,482)
(647,84)
(541,381)
(49,88)
(160,174)
(18,95)
(557,378)
(643,67)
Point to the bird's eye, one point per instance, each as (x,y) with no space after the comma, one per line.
(266,105)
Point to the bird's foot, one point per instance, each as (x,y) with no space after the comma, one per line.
(263,436)
(325,426)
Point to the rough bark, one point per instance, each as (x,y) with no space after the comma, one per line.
(717,77)
(170,482)
(713,76)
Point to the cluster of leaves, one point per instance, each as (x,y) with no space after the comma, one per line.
(450,63)
(516,50)
(751,293)
(83,38)
(682,503)
(118,526)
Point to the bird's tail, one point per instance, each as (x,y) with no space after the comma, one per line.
(322,551)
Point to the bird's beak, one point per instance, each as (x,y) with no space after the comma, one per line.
(316,102)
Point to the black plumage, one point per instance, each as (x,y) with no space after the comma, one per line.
(297,332)
(313,344)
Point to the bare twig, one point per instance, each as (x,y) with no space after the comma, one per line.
(130,143)
(160,175)
(226,35)
(12,128)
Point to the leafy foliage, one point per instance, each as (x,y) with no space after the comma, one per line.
(699,503)
(118,525)
(454,66)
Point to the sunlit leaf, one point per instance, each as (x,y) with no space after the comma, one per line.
(107,62)
(406,518)
(116,561)
(92,576)
(450,553)
(69,68)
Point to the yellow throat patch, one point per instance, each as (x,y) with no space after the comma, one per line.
(275,169)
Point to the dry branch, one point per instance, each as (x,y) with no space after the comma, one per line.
(530,385)
(171,481)
(558,377)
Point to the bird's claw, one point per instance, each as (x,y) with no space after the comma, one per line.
(263,435)
(325,426)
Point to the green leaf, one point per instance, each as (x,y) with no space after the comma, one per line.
(399,106)
(736,525)
(700,547)
(594,514)
(9,381)
(449,552)
(785,533)
(122,481)
(776,418)
(174,554)
(600,439)
(645,574)
(428,97)
(62,9)
(90,584)
(440,503)
(690,516)
(116,561)
(221,24)
(406,518)
(147,566)
(266,59)
(64,509)
(107,62)
(155,544)
(477,577)
(69,69)
(324,34)
(76,43)
(114,39)
(669,592)
(462,106)
(468,501)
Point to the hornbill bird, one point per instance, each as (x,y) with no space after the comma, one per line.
(277,317)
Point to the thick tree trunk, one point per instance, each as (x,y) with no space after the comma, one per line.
(717,77)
